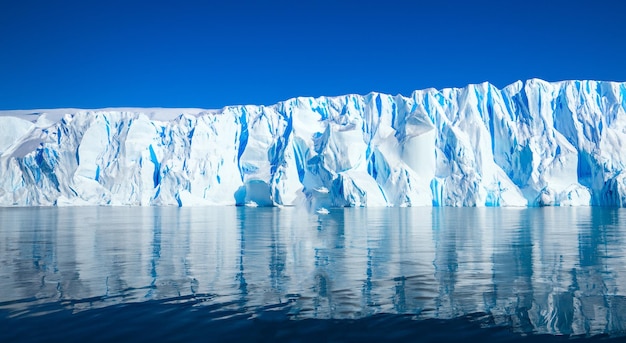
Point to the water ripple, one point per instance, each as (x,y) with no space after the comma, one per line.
(545,272)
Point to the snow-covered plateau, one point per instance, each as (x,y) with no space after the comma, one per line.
(532,143)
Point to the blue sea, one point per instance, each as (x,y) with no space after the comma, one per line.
(160,274)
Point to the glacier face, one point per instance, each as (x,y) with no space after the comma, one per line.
(532,143)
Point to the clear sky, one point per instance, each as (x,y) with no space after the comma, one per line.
(210,54)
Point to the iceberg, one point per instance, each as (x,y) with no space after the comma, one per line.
(532,143)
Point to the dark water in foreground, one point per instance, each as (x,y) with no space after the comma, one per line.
(269,274)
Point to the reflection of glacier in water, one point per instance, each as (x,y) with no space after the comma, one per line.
(540,270)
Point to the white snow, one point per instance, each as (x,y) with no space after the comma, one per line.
(532,143)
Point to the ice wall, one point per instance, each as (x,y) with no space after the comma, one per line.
(532,143)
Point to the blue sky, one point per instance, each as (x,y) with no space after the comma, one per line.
(210,54)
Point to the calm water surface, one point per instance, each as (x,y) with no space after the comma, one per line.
(270,274)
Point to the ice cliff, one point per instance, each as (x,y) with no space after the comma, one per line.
(532,143)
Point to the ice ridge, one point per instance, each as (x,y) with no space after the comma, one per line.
(532,143)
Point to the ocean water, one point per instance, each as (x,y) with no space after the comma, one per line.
(103,274)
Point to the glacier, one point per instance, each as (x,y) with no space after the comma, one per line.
(532,143)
